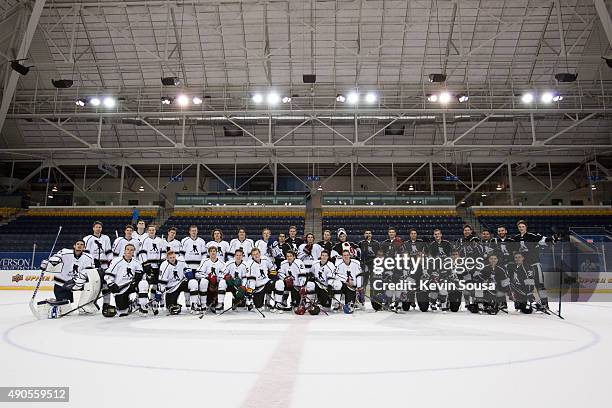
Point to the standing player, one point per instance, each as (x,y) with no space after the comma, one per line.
(505,246)
(141,230)
(207,278)
(98,245)
(393,245)
(279,250)
(152,253)
(293,240)
(72,276)
(242,242)
(124,277)
(172,282)
(368,248)
(347,280)
(529,244)
(309,252)
(327,243)
(218,242)
(439,249)
(265,244)
(487,243)
(293,274)
(193,251)
(172,244)
(342,245)
(121,242)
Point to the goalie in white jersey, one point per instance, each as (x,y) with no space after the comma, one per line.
(128,238)
(293,274)
(242,242)
(206,283)
(262,280)
(346,281)
(218,242)
(71,264)
(124,277)
(172,282)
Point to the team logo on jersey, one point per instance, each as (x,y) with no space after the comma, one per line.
(175,273)
(75,269)
(195,249)
(128,272)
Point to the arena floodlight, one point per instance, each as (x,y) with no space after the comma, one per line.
(273,98)
(371,97)
(547,97)
(196,100)
(499,187)
(141,189)
(182,100)
(340,98)
(444,98)
(593,187)
(483,195)
(557,98)
(81,102)
(109,102)
(353,98)
(95,101)
(54,189)
(462,98)
(166,100)
(432,98)
(527,98)
(286,99)
(257,98)
(411,188)
(320,188)
(50,196)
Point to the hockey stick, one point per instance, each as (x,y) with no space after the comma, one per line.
(384,307)
(41,276)
(94,300)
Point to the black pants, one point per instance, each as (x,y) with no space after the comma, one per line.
(322,296)
(259,297)
(349,294)
(62,294)
(152,273)
(122,301)
(172,297)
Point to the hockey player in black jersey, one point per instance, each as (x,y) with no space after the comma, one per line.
(327,243)
(522,283)
(393,245)
(492,273)
(368,248)
(293,240)
(438,250)
(529,245)
(342,245)
(487,243)
(505,246)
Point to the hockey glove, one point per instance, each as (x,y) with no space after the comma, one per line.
(189,274)
(158,297)
(70,285)
(113,287)
(43,264)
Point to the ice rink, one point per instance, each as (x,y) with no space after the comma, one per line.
(366,359)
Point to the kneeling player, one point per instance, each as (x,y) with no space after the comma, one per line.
(206,282)
(71,277)
(293,274)
(172,282)
(522,283)
(493,300)
(262,280)
(346,280)
(234,280)
(319,275)
(124,276)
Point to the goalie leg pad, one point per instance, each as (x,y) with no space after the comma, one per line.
(203,291)
(52,308)
(91,291)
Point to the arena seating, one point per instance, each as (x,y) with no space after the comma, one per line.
(354,221)
(40,226)
(230,220)
(544,220)
(7,213)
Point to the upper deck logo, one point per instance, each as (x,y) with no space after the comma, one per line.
(17,278)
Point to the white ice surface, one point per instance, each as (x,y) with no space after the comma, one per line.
(366,359)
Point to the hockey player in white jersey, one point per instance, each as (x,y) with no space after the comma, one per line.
(266,243)
(172,244)
(98,245)
(262,281)
(293,274)
(193,250)
(309,252)
(218,242)
(128,238)
(319,274)
(234,280)
(246,244)
(172,282)
(346,280)
(151,254)
(71,276)
(206,283)
(124,277)
(141,230)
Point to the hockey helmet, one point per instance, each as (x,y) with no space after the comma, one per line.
(314,310)
(300,310)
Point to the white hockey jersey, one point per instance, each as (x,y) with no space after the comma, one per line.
(222,248)
(171,276)
(247,245)
(121,271)
(237,270)
(100,249)
(295,269)
(353,271)
(257,274)
(322,272)
(121,242)
(152,251)
(73,268)
(174,245)
(265,247)
(140,237)
(208,266)
(193,251)
(309,256)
